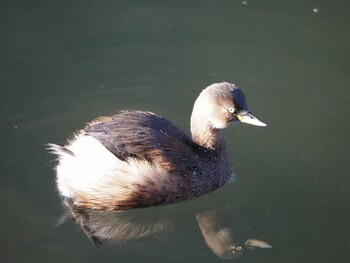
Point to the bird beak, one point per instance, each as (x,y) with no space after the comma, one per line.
(247,117)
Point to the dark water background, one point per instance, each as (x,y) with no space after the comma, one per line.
(63,63)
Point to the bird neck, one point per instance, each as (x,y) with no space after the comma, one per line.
(215,158)
(207,136)
(217,167)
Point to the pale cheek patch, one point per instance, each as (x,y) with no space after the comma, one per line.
(218,120)
(219,124)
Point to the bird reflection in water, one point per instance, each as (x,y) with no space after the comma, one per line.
(222,240)
(225,239)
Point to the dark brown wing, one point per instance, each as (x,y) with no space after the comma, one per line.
(147,136)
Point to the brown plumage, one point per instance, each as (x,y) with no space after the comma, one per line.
(139,159)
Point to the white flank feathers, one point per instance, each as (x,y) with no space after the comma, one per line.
(91,171)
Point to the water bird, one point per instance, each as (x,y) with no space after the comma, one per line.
(138,159)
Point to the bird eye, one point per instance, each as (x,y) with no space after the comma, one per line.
(231,110)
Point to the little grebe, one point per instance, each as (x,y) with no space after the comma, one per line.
(139,159)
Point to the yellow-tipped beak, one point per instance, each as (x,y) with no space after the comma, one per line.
(249,118)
